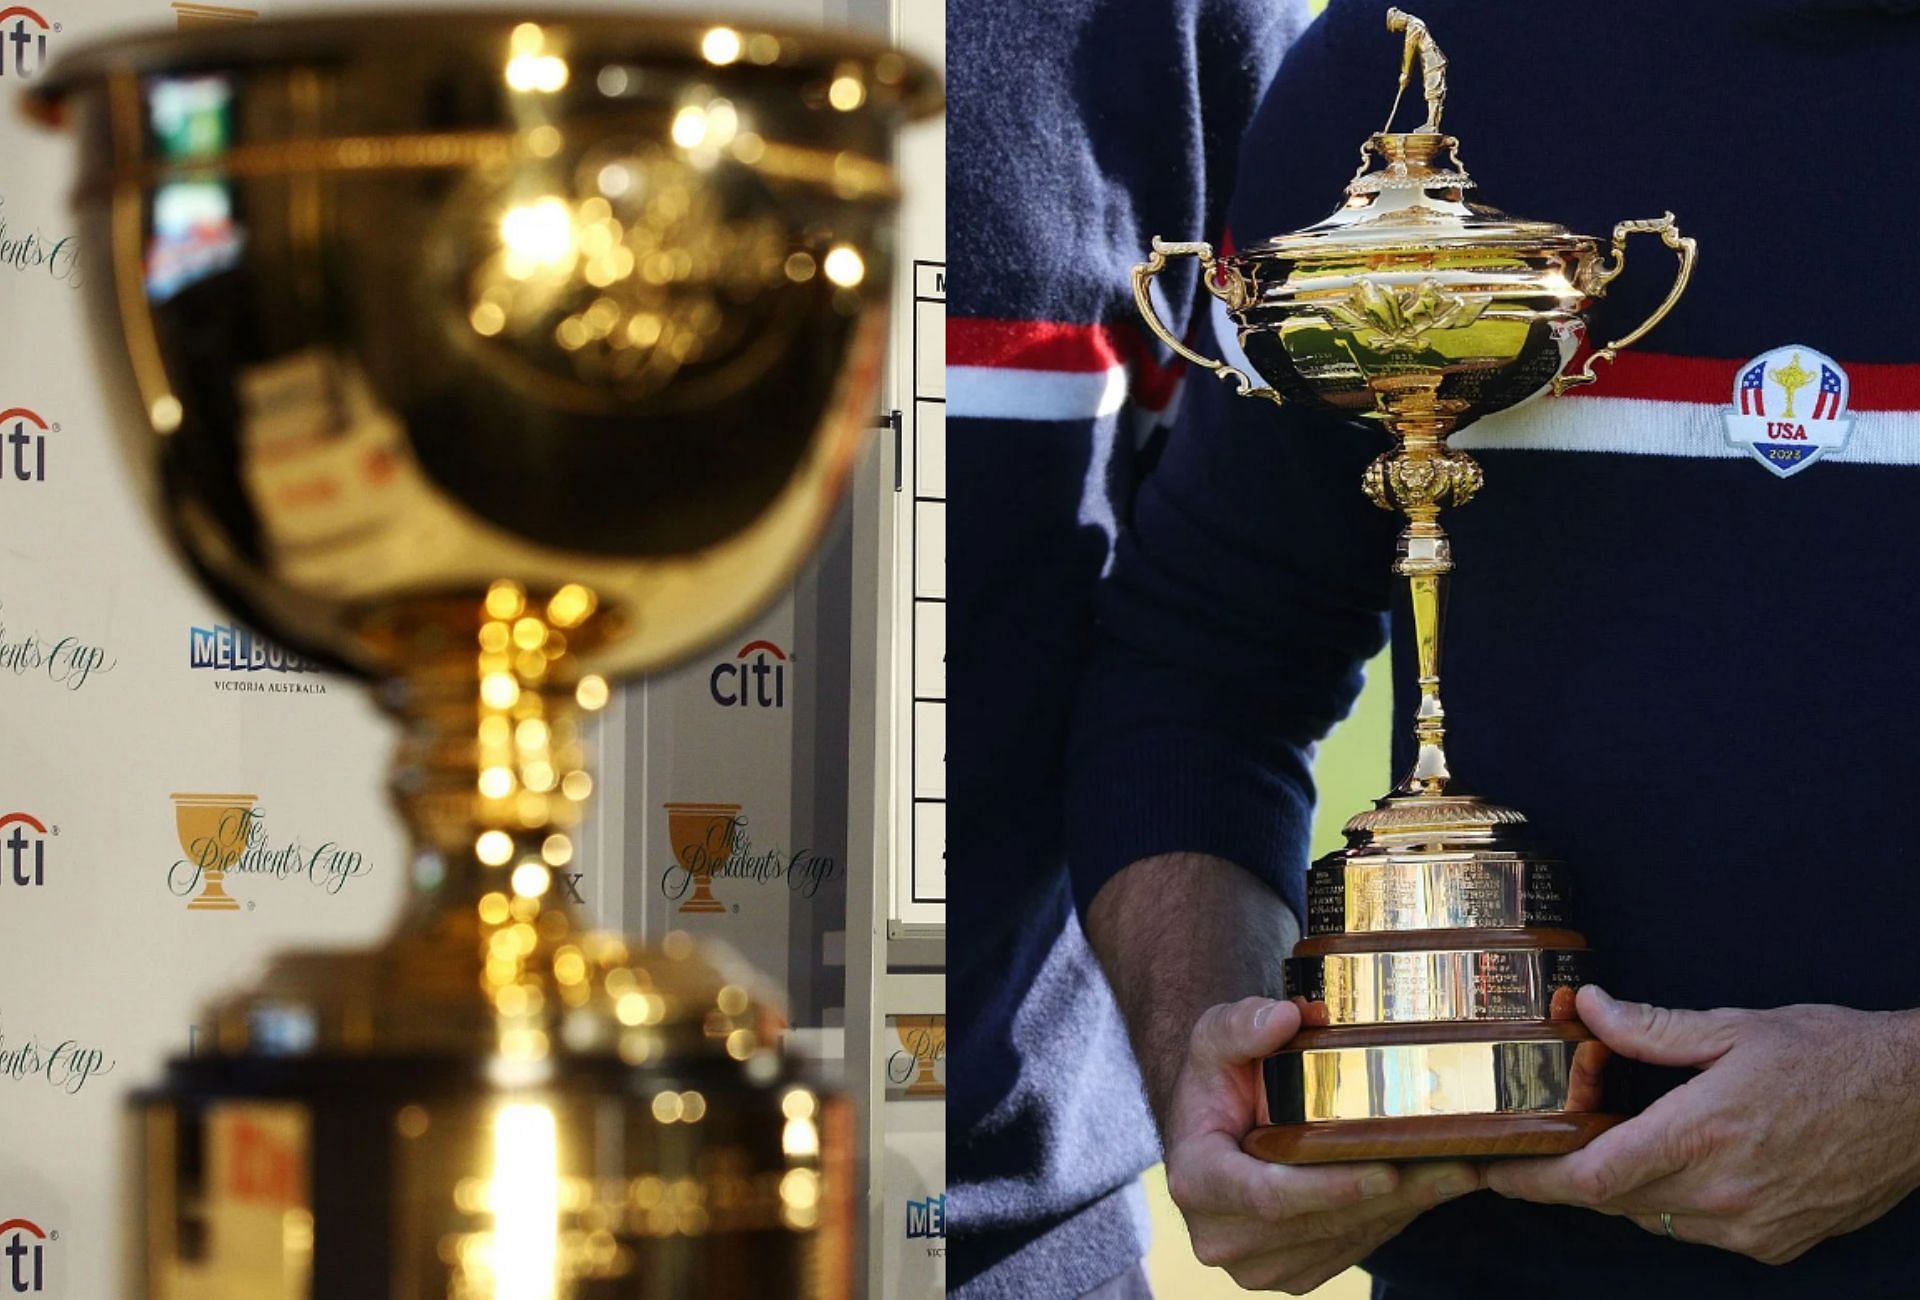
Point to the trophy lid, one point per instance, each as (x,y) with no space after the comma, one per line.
(1411,198)
(1410,190)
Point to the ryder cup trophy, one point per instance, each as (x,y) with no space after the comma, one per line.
(1437,971)
(492,356)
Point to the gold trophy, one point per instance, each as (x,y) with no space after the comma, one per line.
(491,358)
(213,834)
(1437,972)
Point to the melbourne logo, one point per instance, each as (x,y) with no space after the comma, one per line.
(230,649)
(67,661)
(23,849)
(23,1245)
(711,844)
(927,1218)
(225,835)
(756,683)
(23,445)
(23,41)
(1789,406)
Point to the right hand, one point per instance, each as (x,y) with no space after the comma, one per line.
(1276,1227)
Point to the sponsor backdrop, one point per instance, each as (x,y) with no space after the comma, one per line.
(180,798)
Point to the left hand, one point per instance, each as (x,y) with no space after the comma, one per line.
(1804,1124)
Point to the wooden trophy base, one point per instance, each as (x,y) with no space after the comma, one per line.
(1426,1137)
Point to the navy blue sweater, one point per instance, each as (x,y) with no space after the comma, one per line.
(1687,669)
(1077,130)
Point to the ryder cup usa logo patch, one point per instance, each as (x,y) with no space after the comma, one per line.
(1789,407)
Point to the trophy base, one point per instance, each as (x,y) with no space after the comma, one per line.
(1426,1137)
(391,1177)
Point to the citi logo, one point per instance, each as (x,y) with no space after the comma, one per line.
(927,1218)
(23,849)
(22,30)
(23,445)
(752,683)
(23,1246)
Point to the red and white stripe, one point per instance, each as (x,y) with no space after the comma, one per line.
(1049,370)
(1655,404)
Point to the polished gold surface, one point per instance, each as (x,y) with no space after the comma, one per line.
(536,342)
(1411,309)
(1411,986)
(1482,888)
(1516,1075)
(492,357)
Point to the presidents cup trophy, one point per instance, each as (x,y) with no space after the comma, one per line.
(1437,972)
(491,356)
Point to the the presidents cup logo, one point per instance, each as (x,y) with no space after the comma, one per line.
(65,1065)
(1789,406)
(23,41)
(23,849)
(710,843)
(23,1248)
(224,835)
(923,1046)
(702,836)
(23,445)
(67,661)
(33,252)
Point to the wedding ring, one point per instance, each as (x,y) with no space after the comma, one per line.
(1666,1225)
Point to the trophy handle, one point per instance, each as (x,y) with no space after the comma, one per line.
(1603,275)
(1143,276)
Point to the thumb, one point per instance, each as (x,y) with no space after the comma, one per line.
(1236,1033)
(1658,1035)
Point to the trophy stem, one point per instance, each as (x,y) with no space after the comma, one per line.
(1417,477)
(1428,588)
(490,774)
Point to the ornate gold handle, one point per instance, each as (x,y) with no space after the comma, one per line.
(1603,275)
(1143,276)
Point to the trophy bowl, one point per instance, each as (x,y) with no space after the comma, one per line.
(489,356)
(1437,969)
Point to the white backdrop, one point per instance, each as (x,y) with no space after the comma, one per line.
(112,705)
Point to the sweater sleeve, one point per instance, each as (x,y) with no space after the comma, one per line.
(1076,130)
(1253,581)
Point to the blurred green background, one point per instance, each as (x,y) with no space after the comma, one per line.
(1351,770)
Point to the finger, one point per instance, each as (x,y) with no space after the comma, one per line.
(1240,1238)
(1217,1086)
(1300,1268)
(1587,1077)
(1686,1227)
(1357,1249)
(1209,1174)
(1605,1172)
(1233,1242)
(1659,1035)
(1235,1034)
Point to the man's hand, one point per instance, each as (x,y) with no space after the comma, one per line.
(1179,934)
(1275,1227)
(1804,1124)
